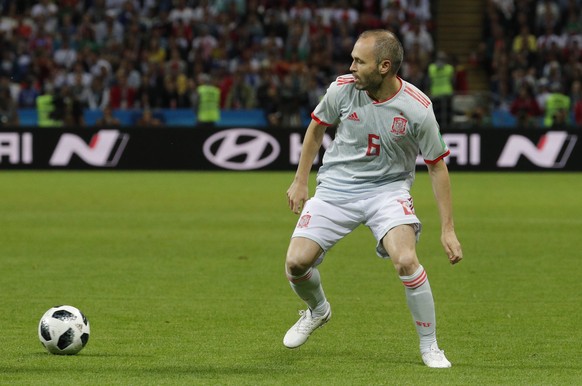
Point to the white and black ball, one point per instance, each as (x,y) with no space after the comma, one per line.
(64,330)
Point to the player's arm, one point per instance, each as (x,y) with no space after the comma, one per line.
(298,192)
(441,185)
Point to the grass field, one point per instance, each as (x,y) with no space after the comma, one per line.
(181,276)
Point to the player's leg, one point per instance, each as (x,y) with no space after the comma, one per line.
(320,226)
(303,276)
(400,243)
(305,281)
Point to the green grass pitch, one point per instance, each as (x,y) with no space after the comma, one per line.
(181,276)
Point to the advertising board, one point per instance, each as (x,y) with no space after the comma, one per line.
(239,148)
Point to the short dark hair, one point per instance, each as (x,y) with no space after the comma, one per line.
(386,47)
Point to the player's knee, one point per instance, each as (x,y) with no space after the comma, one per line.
(405,263)
(297,265)
(301,255)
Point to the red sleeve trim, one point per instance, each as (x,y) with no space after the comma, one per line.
(319,121)
(437,159)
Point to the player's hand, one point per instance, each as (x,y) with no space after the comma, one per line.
(452,246)
(297,195)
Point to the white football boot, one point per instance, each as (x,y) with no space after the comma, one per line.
(435,358)
(300,331)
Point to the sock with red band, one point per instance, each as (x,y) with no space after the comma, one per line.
(421,305)
(308,287)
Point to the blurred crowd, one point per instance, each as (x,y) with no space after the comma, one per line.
(276,55)
(532,53)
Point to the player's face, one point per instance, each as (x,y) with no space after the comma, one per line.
(364,67)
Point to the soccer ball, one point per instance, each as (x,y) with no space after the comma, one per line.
(63,330)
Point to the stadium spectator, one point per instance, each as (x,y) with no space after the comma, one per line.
(71,106)
(41,39)
(549,41)
(344,14)
(27,94)
(542,92)
(155,52)
(96,97)
(557,108)
(506,9)
(8,108)
(145,92)
(99,66)
(420,10)
(109,29)
(576,98)
(525,42)
(182,35)
(343,41)
(107,118)
(204,43)
(25,26)
(268,97)
(78,77)
(121,95)
(461,80)
(127,66)
(65,55)
(368,20)
(175,92)
(207,102)
(129,13)
(297,45)
(300,12)
(147,118)
(292,96)
(67,26)
(86,33)
(96,9)
(525,107)
(552,71)
(45,14)
(240,95)
(547,14)
(416,33)
(48,108)
(441,77)
(9,22)
(412,71)
(324,13)
(393,14)
(571,17)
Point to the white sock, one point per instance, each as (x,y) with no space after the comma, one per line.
(308,287)
(421,305)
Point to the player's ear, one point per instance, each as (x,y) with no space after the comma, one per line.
(385,66)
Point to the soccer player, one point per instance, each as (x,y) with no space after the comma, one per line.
(366,176)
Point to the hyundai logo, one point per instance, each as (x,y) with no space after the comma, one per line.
(241,149)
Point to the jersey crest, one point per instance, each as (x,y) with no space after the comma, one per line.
(399,126)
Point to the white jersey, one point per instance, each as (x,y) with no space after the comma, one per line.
(376,143)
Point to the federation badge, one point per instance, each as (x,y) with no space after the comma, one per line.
(399,126)
(304,221)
